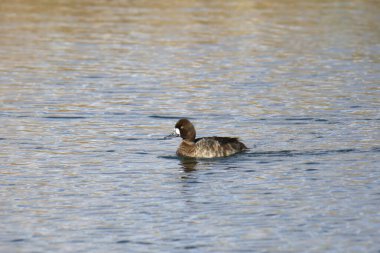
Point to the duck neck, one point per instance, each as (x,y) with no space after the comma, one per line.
(188,141)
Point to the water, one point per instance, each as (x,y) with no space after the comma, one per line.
(89,89)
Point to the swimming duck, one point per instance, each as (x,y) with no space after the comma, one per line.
(206,147)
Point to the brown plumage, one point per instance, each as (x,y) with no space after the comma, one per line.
(206,147)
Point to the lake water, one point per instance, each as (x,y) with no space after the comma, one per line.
(89,89)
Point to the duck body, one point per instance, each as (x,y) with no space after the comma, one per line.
(206,147)
(210,147)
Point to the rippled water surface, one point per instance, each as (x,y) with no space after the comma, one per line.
(88,90)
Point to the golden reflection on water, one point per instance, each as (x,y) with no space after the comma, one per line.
(33,27)
(299,55)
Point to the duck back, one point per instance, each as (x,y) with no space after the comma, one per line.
(209,147)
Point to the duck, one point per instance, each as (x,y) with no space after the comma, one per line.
(205,147)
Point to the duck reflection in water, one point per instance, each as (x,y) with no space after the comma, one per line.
(188,164)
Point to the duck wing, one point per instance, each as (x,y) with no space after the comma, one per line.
(218,146)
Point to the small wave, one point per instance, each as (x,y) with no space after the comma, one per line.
(299,119)
(172,157)
(64,117)
(135,242)
(18,240)
(302,120)
(167,117)
(290,153)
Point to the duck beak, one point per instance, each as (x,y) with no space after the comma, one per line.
(172,135)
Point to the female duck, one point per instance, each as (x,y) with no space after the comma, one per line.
(207,147)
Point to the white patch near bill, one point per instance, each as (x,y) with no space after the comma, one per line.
(177,131)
